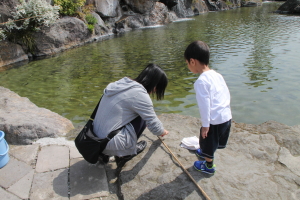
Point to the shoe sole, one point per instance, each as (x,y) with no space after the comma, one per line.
(203,170)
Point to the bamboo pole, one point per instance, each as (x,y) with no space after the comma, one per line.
(202,191)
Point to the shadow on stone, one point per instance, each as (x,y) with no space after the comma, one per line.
(179,188)
(176,189)
(86,181)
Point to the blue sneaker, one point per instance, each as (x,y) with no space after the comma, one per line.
(199,154)
(202,167)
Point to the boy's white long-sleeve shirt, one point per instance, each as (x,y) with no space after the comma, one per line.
(213,98)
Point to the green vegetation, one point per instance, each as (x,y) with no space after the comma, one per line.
(228,3)
(90,19)
(69,7)
(29,17)
(90,27)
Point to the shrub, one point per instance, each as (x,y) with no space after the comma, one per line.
(90,19)
(2,34)
(33,14)
(90,27)
(29,17)
(69,7)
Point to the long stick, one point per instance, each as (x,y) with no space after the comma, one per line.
(205,195)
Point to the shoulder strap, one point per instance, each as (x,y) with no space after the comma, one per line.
(95,110)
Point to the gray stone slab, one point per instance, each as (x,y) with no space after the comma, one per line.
(13,172)
(74,153)
(7,196)
(50,185)
(22,187)
(87,181)
(292,162)
(25,153)
(52,157)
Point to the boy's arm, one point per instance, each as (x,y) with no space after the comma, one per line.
(204,131)
(203,100)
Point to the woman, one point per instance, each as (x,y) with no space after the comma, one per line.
(127,106)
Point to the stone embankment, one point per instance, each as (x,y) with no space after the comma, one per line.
(259,162)
(113,17)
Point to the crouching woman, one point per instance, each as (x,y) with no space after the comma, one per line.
(126,106)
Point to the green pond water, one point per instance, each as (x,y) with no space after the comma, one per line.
(257,52)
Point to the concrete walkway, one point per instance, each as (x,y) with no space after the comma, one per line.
(51,172)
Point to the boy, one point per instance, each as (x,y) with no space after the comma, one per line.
(213,100)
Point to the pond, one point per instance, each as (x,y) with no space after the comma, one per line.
(255,50)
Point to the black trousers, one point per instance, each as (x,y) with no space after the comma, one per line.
(217,138)
(139,126)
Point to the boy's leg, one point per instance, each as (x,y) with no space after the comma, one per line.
(224,131)
(208,146)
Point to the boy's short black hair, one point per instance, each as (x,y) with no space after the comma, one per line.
(154,79)
(197,50)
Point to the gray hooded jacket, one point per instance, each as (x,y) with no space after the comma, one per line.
(122,102)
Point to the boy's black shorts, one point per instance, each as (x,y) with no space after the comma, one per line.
(217,138)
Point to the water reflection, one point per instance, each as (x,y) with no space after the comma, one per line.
(253,49)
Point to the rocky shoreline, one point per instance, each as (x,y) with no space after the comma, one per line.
(259,162)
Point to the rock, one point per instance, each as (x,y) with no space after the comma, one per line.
(286,136)
(11,53)
(159,15)
(6,8)
(107,8)
(251,3)
(100,27)
(66,33)
(140,6)
(180,9)
(254,165)
(23,122)
(290,7)
(198,6)
(169,3)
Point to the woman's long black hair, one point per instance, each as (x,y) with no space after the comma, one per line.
(154,79)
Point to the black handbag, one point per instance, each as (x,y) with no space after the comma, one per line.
(89,145)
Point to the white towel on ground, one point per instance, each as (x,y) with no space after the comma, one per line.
(191,143)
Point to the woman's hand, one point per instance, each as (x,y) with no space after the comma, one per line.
(165,133)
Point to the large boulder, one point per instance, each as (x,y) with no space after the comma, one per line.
(189,8)
(23,122)
(100,27)
(140,6)
(256,164)
(290,7)
(107,8)
(66,33)
(159,15)
(181,10)
(198,6)
(11,53)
